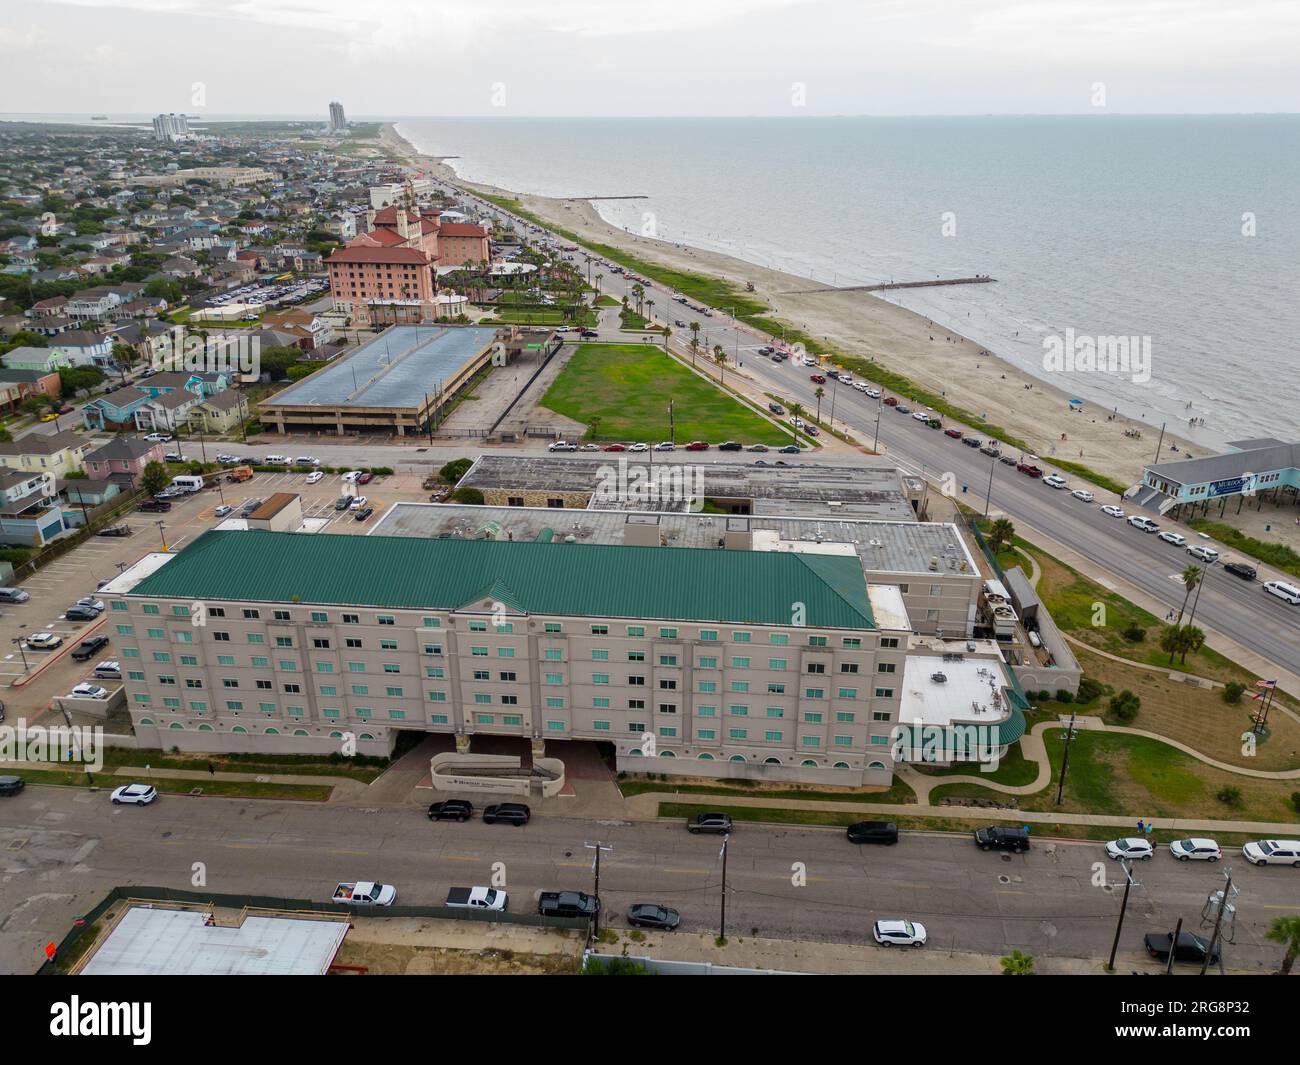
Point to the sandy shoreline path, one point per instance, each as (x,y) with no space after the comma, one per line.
(863,325)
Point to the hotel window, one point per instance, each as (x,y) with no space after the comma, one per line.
(600,656)
(775,688)
(636,704)
(385,645)
(780,638)
(478,626)
(636,681)
(356,667)
(234,705)
(384,619)
(156,634)
(851,641)
(293,689)
(431,623)
(119,605)
(600,703)
(552,626)
(259,661)
(188,637)
(880,741)
(889,641)
(554,702)
(708,687)
(126,630)
(737,710)
(325,689)
(811,741)
(602,726)
(708,634)
(181,611)
(351,619)
(353,643)
(881,715)
(324,667)
(706,733)
(884,693)
(740,685)
(739,663)
(229,682)
(251,614)
(482,698)
(478,652)
(256,637)
(772,736)
(816,667)
(164,679)
(775,711)
(600,630)
(433,648)
(668,731)
(361,689)
(508,677)
(814,693)
(265,685)
(555,726)
(436,672)
(740,637)
(708,663)
(553,678)
(738,733)
(636,630)
(668,660)
(816,641)
(392,667)
(886,667)
(394,693)
(162,656)
(848,667)
(636,726)
(667,634)
(776,663)
(437,697)
(505,626)
(280,615)
(636,656)
(283,641)
(668,708)
(600,678)
(199,707)
(512,719)
(553,654)
(843,741)
(216,612)
(668,685)
(150,608)
(706,711)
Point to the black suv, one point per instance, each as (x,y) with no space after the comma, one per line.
(567,904)
(11,785)
(509,813)
(1191,947)
(88,648)
(729,445)
(1006,839)
(1240,569)
(154,506)
(873,832)
(451,810)
(719,823)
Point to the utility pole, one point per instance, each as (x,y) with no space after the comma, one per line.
(595,866)
(722,922)
(161,534)
(988,496)
(1065,758)
(880,407)
(1160,441)
(1173,946)
(1123,907)
(1224,903)
(672,427)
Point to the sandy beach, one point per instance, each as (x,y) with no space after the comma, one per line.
(864,325)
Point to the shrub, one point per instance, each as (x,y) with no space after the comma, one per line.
(1089,690)
(1064,696)
(453,471)
(1232,692)
(472,496)
(1125,706)
(1229,795)
(1295,801)
(1134,634)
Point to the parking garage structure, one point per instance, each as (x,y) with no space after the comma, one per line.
(396,383)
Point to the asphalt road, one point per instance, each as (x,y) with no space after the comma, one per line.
(62,848)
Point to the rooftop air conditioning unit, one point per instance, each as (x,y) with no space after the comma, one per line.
(939,678)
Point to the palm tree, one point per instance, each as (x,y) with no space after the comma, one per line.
(1001,533)
(1191,578)
(638,293)
(1018,964)
(1190,639)
(1169,641)
(1286,930)
(796,410)
(695,331)
(599,278)
(695,347)
(720,357)
(819,392)
(649,309)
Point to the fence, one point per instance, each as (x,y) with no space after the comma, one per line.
(106,512)
(145,895)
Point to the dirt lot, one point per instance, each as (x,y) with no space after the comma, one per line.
(415,946)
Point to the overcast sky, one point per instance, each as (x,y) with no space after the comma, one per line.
(395,58)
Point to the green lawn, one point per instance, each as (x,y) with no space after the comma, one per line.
(621,392)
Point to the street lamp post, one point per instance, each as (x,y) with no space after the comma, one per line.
(597,847)
(162,534)
(722,921)
(988,496)
(18,642)
(880,407)
(1065,759)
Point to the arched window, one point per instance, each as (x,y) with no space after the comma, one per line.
(300,732)
(841,765)
(272,732)
(706,757)
(176,724)
(809,762)
(875,765)
(736,758)
(635,751)
(205,727)
(146,721)
(667,754)
(771,761)
(240,729)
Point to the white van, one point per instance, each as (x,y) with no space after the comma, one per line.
(1288,593)
(187,483)
(1034,639)
(278,460)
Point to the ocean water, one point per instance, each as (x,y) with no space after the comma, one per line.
(1184,230)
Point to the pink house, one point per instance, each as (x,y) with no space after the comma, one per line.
(123,459)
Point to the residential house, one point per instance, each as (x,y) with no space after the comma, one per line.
(58,454)
(26,357)
(17,385)
(29,512)
(84,348)
(162,401)
(123,459)
(222,412)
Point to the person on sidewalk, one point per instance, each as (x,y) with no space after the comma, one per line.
(212,770)
(1142,828)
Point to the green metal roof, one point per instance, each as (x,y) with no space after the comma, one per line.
(402,572)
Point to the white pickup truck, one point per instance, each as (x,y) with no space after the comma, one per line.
(477,898)
(365,893)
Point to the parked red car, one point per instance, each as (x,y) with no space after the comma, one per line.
(365,478)
(697,445)
(954,433)
(1030,470)
(616,447)
(818,378)
(891,401)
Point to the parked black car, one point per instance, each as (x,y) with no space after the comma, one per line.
(363,514)
(1240,569)
(1191,947)
(81,613)
(11,785)
(88,648)
(451,810)
(154,506)
(507,813)
(718,823)
(652,915)
(873,832)
(1006,839)
(789,449)
(729,445)
(589,334)
(567,904)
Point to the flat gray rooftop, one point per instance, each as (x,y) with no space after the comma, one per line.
(150,941)
(801,487)
(396,369)
(892,548)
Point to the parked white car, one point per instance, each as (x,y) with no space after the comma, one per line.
(1177,539)
(1288,593)
(137,794)
(158,438)
(562,445)
(1200,850)
(89,691)
(109,669)
(1133,848)
(44,641)
(874,393)
(1112,511)
(1273,852)
(358,504)
(1205,554)
(899,933)
(1083,494)
(312,478)
(1139,521)
(1055,480)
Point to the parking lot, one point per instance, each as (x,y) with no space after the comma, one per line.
(57,586)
